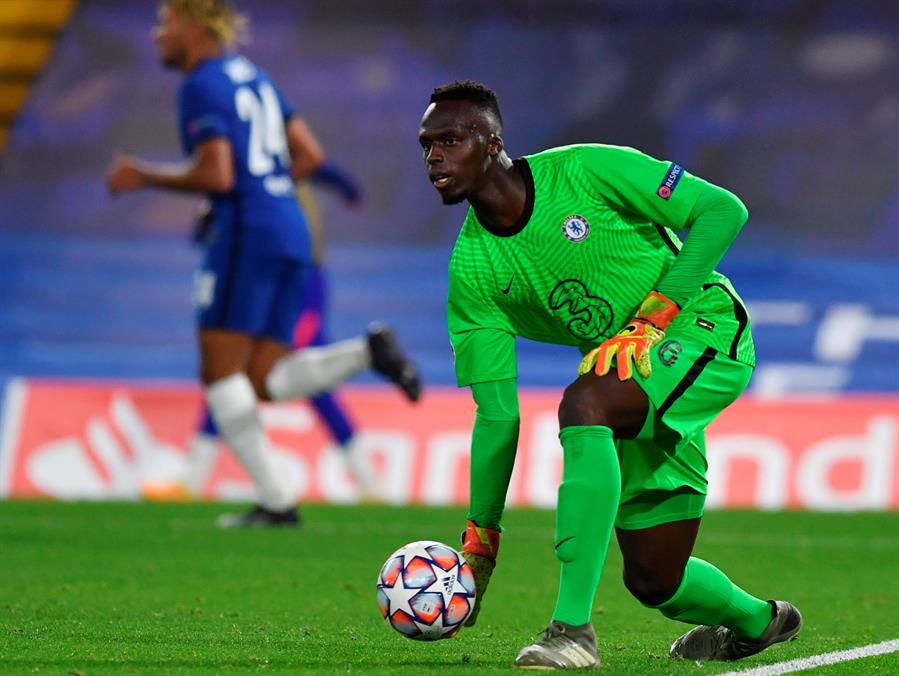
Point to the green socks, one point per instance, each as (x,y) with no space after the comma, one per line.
(588,503)
(707,596)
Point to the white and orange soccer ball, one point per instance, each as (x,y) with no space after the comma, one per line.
(426,591)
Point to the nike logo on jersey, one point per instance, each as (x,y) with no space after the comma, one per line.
(508,286)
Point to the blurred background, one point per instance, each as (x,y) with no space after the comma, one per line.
(791,104)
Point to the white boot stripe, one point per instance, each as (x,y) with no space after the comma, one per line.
(577,655)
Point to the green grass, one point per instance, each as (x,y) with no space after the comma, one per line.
(138,588)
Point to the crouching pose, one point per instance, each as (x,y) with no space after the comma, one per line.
(577,246)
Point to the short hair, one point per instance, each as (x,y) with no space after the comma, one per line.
(468,90)
(219,17)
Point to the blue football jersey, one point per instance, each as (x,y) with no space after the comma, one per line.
(231,98)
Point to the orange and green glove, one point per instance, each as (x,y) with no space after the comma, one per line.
(479,547)
(630,346)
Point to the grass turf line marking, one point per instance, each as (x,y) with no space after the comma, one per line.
(804,663)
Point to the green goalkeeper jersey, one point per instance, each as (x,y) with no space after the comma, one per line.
(596,236)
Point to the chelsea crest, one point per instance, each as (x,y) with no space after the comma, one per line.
(576,228)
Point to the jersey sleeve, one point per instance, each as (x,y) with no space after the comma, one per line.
(202,115)
(715,221)
(483,344)
(634,182)
(494,442)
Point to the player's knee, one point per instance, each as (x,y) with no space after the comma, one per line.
(580,406)
(651,588)
(603,401)
(259,386)
(208,375)
(215,367)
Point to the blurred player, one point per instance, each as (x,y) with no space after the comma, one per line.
(309,331)
(245,149)
(577,246)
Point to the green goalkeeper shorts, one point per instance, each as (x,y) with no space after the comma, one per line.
(663,470)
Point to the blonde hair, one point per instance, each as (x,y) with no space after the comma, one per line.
(226,24)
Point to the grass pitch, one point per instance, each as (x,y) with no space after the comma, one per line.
(140,588)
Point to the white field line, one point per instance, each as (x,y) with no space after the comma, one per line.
(814,661)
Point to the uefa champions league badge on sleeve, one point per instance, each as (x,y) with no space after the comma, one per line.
(576,228)
(669,183)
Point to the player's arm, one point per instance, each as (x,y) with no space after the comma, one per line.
(494,442)
(712,226)
(665,194)
(484,352)
(203,116)
(485,361)
(307,161)
(209,170)
(307,157)
(306,153)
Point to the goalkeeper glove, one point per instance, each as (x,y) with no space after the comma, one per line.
(479,548)
(634,341)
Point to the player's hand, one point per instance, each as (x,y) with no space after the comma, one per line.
(124,175)
(631,346)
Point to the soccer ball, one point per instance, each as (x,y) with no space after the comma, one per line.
(426,591)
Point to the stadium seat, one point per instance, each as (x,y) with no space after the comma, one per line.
(27,32)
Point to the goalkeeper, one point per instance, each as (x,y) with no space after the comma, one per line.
(578,246)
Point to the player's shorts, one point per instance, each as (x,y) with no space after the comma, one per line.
(258,294)
(663,470)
